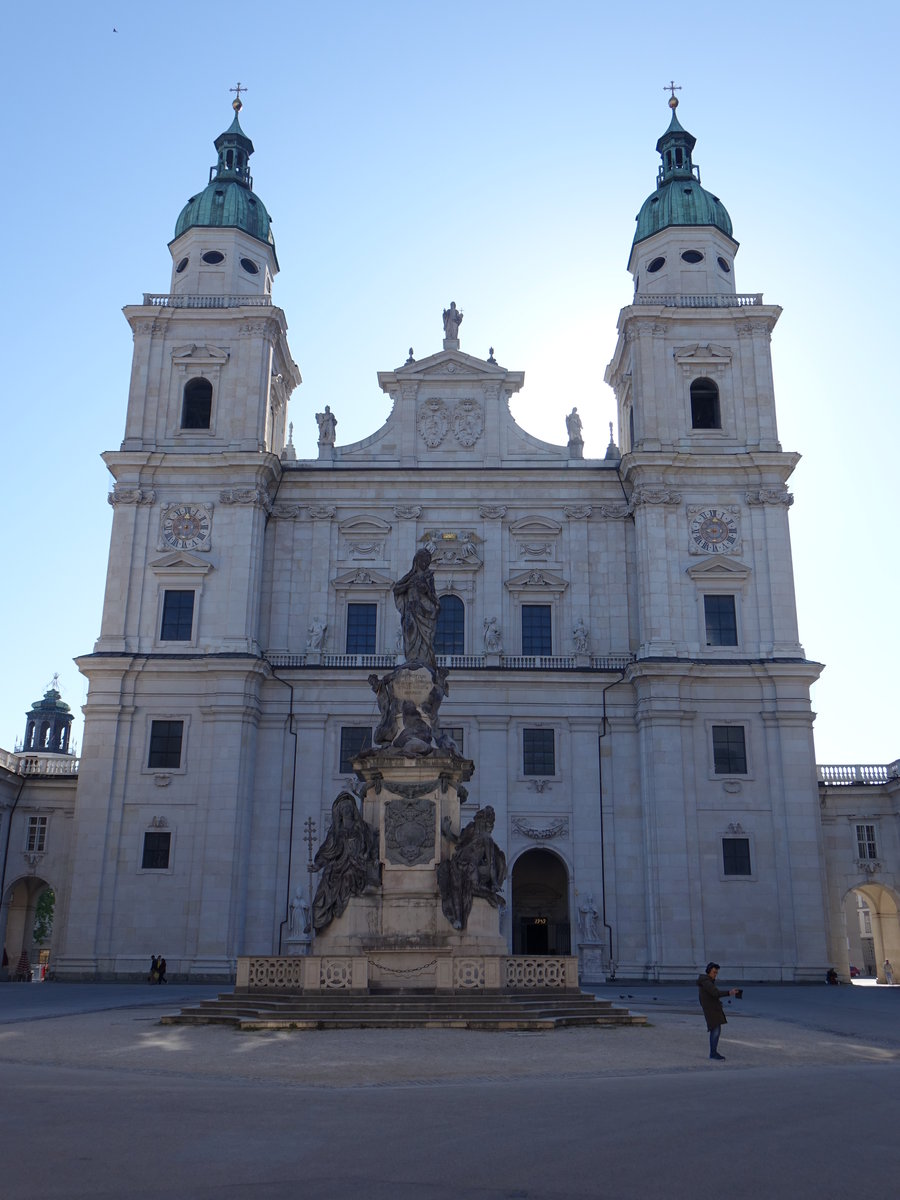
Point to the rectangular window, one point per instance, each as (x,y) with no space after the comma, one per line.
(37,834)
(177,616)
(729,750)
(538,752)
(721,620)
(165,743)
(361,621)
(156,851)
(865,841)
(536,635)
(353,739)
(736,856)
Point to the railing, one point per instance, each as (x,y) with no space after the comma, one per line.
(842,776)
(460,662)
(39,764)
(170,301)
(725,300)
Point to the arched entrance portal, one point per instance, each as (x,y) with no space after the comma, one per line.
(872,920)
(540,904)
(19,913)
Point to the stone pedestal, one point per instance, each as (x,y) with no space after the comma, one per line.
(400,928)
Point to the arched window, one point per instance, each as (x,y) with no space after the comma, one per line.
(450,636)
(196,409)
(705,412)
(29,737)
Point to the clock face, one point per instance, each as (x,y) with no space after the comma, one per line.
(185,527)
(714,531)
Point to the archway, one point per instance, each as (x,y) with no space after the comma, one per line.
(18,915)
(540,904)
(872,923)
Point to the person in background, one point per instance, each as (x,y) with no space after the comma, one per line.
(711,1003)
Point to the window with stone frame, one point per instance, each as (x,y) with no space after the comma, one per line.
(166,739)
(353,739)
(177,624)
(720,616)
(156,850)
(36,837)
(538,752)
(450,632)
(736,856)
(729,750)
(866,843)
(705,410)
(537,636)
(362,624)
(196,405)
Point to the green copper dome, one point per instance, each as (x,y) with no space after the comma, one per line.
(228,200)
(679,199)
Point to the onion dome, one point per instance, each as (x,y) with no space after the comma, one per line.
(679,199)
(228,200)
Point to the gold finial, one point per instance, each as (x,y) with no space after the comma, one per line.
(236,102)
(668,87)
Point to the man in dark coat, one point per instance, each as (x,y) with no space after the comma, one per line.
(711,1003)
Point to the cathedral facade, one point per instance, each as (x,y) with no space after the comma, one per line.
(624,662)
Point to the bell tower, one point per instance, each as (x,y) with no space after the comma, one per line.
(176,673)
(721,680)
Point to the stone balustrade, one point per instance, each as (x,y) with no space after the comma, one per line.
(152,300)
(39,764)
(843,775)
(725,300)
(466,972)
(463,662)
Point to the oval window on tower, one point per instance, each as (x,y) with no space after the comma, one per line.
(692,256)
(656,265)
(181,266)
(213,257)
(249,266)
(724,265)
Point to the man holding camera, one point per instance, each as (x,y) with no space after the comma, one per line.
(711,1003)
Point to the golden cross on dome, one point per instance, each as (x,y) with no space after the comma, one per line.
(238,103)
(667,87)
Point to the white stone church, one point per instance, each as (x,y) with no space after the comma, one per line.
(625,668)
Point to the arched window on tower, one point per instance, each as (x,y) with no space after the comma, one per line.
(450,636)
(196,408)
(705,413)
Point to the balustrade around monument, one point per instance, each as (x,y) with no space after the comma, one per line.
(314,973)
(39,764)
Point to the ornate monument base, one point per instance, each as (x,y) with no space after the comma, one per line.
(397,935)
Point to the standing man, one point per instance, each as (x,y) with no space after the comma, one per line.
(711,1003)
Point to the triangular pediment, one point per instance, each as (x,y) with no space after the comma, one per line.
(538,580)
(197,354)
(181,560)
(451,367)
(719,569)
(700,354)
(362,577)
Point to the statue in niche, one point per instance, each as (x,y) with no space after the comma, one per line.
(298,920)
(315,634)
(347,859)
(493,642)
(418,605)
(581,637)
(452,321)
(589,921)
(573,426)
(327,423)
(477,867)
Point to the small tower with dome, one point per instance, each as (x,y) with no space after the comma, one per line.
(48,723)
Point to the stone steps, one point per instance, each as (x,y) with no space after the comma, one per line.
(485,1011)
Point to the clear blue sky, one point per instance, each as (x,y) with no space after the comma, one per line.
(491,153)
